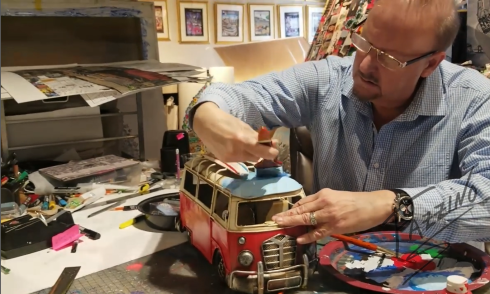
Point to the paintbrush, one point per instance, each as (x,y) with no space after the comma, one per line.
(366,245)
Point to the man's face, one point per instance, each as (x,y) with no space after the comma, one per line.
(402,39)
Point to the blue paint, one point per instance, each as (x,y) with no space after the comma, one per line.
(104,11)
(253,187)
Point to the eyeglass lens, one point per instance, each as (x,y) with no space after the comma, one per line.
(364,46)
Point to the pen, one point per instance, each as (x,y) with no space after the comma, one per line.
(132,221)
(126,208)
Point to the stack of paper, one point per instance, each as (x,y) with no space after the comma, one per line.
(97,83)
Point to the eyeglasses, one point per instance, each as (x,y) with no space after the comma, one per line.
(384,58)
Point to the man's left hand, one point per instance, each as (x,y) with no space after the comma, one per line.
(338,212)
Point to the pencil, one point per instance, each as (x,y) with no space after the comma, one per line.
(363,244)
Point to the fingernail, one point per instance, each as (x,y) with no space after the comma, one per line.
(278,220)
(301,240)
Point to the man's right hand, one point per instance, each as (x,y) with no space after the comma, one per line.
(227,137)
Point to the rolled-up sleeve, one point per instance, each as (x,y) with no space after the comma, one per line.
(286,98)
(458,210)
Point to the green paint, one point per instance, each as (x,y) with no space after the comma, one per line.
(433,252)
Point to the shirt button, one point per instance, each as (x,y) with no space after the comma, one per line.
(376,165)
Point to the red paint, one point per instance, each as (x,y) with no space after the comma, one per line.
(414,262)
(135,267)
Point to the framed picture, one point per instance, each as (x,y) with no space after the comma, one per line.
(314,15)
(229,22)
(193,22)
(291,21)
(161,19)
(261,18)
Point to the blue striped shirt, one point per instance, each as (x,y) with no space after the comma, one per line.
(440,139)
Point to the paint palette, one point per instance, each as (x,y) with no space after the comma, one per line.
(431,262)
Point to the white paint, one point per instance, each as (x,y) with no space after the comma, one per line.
(456,284)
(432,282)
(371,264)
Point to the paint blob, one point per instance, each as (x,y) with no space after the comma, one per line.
(410,272)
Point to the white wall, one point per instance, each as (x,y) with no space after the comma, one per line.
(203,55)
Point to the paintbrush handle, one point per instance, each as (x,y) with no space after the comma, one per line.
(355,241)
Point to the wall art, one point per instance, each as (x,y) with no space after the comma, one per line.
(291,21)
(261,18)
(229,20)
(193,22)
(314,16)
(161,19)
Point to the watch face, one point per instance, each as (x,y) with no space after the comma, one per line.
(405,208)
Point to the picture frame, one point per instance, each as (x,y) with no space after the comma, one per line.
(229,22)
(290,21)
(314,14)
(193,22)
(262,22)
(161,19)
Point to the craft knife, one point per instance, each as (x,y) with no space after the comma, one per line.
(127,197)
(106,208)
(52,218)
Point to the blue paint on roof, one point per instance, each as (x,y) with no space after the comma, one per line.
(252,187)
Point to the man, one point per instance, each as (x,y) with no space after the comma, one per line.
(399,134)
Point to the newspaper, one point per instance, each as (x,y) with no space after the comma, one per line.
(97,84)
(85,168)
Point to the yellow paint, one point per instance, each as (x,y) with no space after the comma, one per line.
(38,4)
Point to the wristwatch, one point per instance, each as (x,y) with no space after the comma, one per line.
(402,206)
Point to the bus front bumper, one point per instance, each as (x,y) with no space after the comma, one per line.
(261,281)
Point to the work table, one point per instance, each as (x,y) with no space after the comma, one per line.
(182,270)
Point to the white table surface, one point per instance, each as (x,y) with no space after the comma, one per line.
(40,270)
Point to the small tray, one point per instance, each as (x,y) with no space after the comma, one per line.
(342,261)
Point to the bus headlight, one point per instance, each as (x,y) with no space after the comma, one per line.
(245,258)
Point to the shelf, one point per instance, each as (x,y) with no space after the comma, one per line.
(9,122)
(72,142)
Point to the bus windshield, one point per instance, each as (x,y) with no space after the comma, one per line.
(253,213)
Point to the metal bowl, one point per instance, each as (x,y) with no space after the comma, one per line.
(160,221)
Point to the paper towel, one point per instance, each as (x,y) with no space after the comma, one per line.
(222,74)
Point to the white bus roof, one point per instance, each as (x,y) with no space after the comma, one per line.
(246,187)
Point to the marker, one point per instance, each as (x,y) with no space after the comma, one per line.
(5,270)
(132,221)
(92,235)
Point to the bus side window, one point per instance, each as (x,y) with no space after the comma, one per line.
(205,194)
(189,183)
(221,204)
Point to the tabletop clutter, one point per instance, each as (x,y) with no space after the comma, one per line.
(38,199)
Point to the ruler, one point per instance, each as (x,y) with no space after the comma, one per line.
(65,280)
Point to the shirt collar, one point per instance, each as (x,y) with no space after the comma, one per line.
(429,100)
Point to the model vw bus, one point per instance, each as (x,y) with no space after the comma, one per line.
(229,220)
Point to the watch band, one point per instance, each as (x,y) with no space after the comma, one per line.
(402,207)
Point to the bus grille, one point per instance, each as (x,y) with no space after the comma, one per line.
(279,252)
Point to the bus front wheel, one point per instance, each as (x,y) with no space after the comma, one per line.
(219,265)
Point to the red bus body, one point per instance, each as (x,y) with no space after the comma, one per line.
(279,263)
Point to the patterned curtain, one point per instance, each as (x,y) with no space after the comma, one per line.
(340,19)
